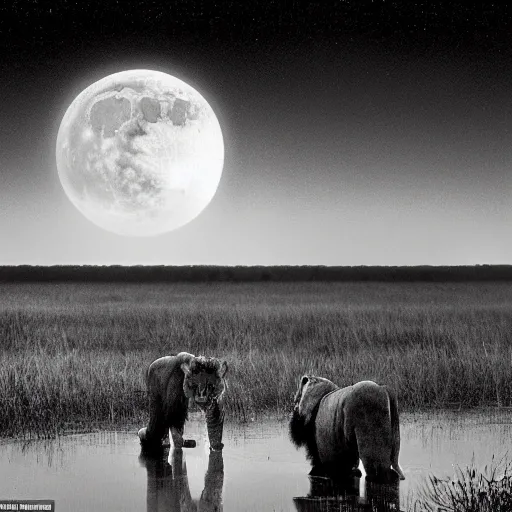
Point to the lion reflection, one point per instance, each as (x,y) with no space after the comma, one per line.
(168,488)
(334,495)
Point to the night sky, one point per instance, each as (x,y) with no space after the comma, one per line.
(356,132)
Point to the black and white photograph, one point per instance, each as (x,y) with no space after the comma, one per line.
(255,256)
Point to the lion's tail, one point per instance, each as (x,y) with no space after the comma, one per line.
(395,425)
(395,430)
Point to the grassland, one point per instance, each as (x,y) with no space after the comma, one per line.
(73,355)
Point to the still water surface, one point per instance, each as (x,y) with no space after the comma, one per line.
(259,468)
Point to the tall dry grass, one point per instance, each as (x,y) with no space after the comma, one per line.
(470,490)
(74,354)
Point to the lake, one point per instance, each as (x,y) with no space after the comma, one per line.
(259,469)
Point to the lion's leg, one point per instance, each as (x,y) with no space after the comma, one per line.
(371,470)
(215,425)
(177,436)
(352,462)
(351,455)
(152,436)
(348,467)
(380,473)
(176,418)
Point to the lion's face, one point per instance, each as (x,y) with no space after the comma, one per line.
(310,391)
(204,380)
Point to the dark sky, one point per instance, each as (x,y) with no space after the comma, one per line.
(356,132)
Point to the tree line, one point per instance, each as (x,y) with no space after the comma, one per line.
(212,273)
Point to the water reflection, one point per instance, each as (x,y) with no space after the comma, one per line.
(261,469)
(383,497)
(168,488)
(330,495)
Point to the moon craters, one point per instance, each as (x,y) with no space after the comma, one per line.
(150,108)
(108,114)
(178,112)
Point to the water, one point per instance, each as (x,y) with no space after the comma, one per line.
(259,469)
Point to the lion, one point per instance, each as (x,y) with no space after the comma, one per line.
(339,426)
(174,383)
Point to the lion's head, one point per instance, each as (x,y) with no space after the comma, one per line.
(310,391)
(204,380)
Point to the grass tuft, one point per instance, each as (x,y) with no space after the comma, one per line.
(470,490)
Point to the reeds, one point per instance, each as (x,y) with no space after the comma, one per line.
(470,490)
(74,355)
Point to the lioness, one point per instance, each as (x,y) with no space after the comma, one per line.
(173,382)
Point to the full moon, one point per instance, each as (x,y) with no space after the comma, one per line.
(140,153)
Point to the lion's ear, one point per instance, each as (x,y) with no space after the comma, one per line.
(312,391)
(188,362)
(223,369)
(298,395)
(186,368)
